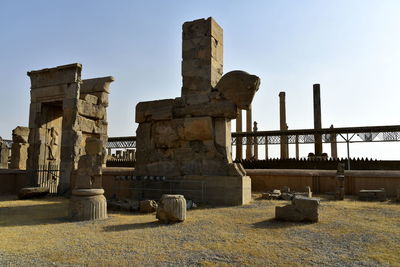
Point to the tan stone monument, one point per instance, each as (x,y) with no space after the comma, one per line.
(87,201)
(19,148)
(4,152)
(65,110)
(189,138)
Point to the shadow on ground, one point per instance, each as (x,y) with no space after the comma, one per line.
(133,226)
(53,212)
(275,224)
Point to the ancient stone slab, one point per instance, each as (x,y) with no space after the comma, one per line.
(239,87)
(302,209)
(4,152)
(171,208)
(91,110)
(372,195)
(101,84)
(33,192)
(154,110)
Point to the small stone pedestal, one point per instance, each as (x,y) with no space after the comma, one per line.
(87,204)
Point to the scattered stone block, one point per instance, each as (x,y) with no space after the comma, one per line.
(302,209)
(372,195)
(171,208)
(33,192)
(147,206)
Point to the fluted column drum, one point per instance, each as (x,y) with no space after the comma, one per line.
(171,208)
(87,204)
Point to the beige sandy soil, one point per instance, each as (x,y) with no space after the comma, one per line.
(350,233)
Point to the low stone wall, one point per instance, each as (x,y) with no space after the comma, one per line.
(322,181)
(11,181)
(118,188)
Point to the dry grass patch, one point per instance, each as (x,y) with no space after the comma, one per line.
(349,233)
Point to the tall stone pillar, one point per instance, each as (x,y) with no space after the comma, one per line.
(317,119)
(283,125)
(297,147)
(249,140)
(255,129)
(202,64)
(239,141)
(266,147)
(333,145)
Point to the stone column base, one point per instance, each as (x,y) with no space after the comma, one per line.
(87,204)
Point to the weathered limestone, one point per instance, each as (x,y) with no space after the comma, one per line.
(317,119)
(147,206)
(302,209)
(87,201)
(65,110)
(4,152)
(202,59)
(19,148)
(372,195)
(171,208)
(33,192)
(189,137)
(283,125)
(339,194)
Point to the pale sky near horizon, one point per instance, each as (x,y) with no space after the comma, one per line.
(350,47)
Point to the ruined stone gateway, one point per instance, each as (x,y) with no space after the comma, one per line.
(64,111)
(189,138)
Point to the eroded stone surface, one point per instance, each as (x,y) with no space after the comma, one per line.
(302,209)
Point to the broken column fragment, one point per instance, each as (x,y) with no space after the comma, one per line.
(19,148)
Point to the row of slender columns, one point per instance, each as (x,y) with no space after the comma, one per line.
(252,147)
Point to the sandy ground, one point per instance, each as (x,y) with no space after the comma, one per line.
(350,233)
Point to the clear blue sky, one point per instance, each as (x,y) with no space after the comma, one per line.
(352,48)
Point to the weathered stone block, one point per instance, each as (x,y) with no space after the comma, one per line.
(198,128)
(59,75)
(20,135)
(33,192)
(154,110)
(147,206)
(377,195)
(165,134)
(101,84)
(91,110)
(302,209)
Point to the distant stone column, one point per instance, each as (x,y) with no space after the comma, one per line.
(255,129)
(297,147)
(333,145)
(4,152)
(317,119)
(239,141)
(249,143)
(266,147)
(283,125)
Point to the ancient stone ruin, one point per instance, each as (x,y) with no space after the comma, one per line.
(339,193)
(87,200)
(4,152)
(19,148)
(189,138)
(64,111)
(302,209)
